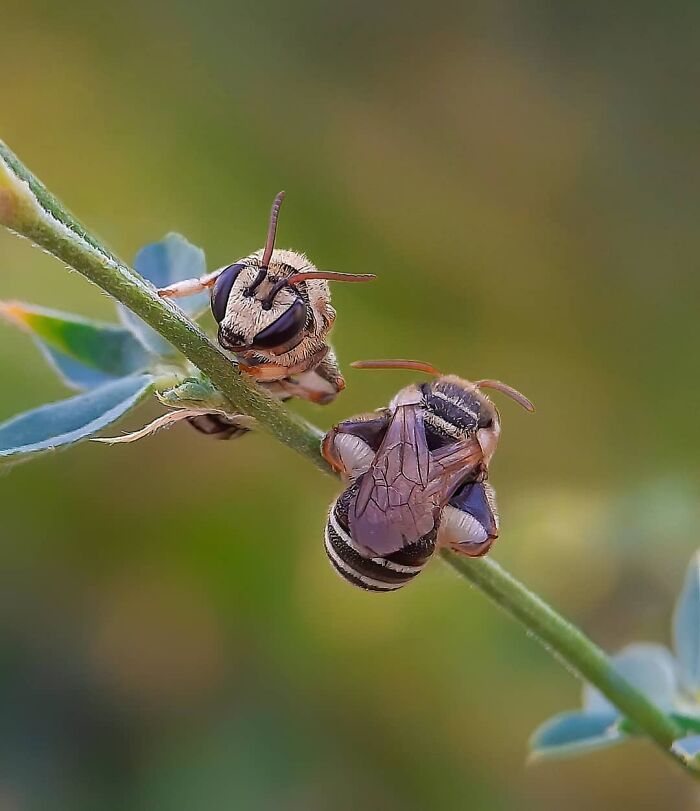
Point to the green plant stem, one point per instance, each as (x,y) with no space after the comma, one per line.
(566,642)
(30,210)
(27,208)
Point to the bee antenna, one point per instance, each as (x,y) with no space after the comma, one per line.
(509,391)
(330,275)
(397,363)
(272,231)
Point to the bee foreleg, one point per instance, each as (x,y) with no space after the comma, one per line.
(329,371)
(331,454)
(188,287)
(320,385)
(265,372)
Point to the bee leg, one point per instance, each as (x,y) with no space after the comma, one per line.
(350,446)
(266,372)
(189,287)
(320,385)
(332,454)
(469,522)
(329,371)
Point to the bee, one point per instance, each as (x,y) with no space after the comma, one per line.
(274,313)
(417,478)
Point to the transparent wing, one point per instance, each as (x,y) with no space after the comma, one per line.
(400,497)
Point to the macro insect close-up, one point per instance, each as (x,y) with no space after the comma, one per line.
(417,476)
(195,624)
(274,313)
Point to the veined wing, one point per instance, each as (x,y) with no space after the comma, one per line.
(451,466)
(400,497)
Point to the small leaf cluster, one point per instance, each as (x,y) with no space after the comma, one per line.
(670,679)
(114,367)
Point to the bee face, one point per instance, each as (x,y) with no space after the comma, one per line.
(256,311)
(274,312)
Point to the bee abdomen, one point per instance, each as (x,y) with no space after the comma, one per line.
(372,574)
(217,426)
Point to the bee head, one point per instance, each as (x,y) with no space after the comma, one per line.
(254,311)
(454,408)
(461,409)
(261,303)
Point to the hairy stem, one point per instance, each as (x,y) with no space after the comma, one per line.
(566,642)
(30,210)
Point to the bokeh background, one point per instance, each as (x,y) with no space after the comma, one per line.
(523,178)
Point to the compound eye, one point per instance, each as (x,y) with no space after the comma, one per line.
(222,290)
(487,413)
(282,330)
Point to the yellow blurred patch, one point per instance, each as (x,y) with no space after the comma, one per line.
(7,206)
(19,208)
(9,196)
(156,640)
(560,546)
(15,312)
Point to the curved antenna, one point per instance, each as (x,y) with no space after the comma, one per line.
(509,391)
(272,231)
(330,275)
(397,363)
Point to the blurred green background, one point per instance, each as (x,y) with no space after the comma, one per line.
(523,178)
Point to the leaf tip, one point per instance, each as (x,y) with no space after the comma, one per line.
(688,750)
(14,311)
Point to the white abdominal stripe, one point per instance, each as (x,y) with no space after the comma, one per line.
(371,574)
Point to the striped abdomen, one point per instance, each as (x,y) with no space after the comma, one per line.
(373,574)
(217,426)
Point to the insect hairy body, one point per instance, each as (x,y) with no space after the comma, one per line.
(416,475)
(274,314)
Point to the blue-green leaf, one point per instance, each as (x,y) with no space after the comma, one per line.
(85,353)
(163,263)
(68,421)
(688,749)
(650,668)
(686,628)
(74,374)
(573,733)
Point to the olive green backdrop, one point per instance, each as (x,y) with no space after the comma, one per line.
(523,179)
